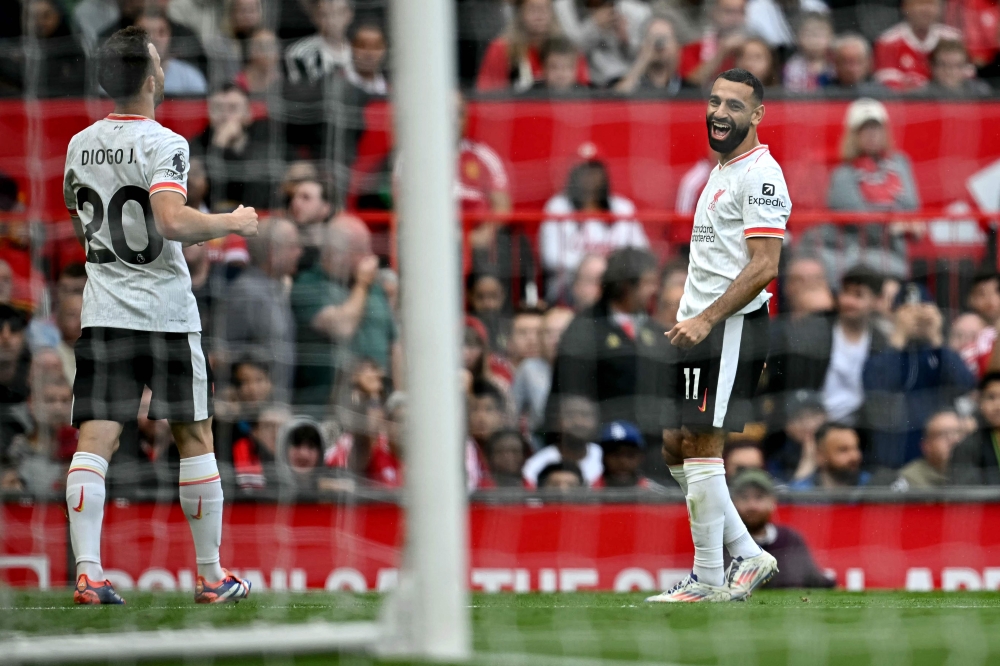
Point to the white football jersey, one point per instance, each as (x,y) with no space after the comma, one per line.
(137,279)
(745,198)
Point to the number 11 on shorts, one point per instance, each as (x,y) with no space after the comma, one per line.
(688,392)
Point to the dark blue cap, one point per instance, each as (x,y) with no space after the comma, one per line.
(622,432)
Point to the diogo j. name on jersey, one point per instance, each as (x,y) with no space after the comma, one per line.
(138,280)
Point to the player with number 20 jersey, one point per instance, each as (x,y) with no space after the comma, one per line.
(125,188)
(136,279)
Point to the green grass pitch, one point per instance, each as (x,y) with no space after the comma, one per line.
(775,627)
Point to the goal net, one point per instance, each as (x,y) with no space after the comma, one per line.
(423,457)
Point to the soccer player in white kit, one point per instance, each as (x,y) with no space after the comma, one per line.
(720,341)
(125,188)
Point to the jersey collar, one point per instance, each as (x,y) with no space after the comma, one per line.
(124,117)
(745,155)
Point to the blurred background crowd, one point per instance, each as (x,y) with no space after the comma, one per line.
(871,381)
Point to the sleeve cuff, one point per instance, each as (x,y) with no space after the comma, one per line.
(168,186)
(766,232)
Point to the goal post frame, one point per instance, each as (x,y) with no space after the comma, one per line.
(428,614)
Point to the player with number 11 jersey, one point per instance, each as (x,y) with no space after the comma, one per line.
(720,342)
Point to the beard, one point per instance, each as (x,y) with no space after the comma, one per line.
(847,476)
(732,139)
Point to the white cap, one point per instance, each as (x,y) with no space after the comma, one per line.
(863,110)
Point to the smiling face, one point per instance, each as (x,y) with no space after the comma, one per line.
(732,113)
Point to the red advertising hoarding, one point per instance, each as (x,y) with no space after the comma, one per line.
(544,547)
(648,145)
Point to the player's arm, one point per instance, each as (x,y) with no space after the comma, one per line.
(178,222)
(763,267)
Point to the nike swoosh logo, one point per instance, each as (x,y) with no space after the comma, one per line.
(704,402)
(197,516)
(79,507)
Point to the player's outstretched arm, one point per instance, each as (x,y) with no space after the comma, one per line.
(178,222)
(758,273)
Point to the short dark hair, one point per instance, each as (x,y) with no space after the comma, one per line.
(306,434)
(123,63)
(529,312)
(626,267)
(825,429)
(558,46)
(484,388)
(563,466)
(503,434)
(948,46)
(989,378)
(252,362)
(863,276)
(738,75)
(365,22)
(984,275)
(481,274)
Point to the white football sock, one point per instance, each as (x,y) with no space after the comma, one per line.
(707,494)
(738,541)
(677,471)
(85,506)
(201,500)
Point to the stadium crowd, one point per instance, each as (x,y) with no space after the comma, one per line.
(867,384)
(660,47)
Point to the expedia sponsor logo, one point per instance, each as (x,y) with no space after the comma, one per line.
(767,190)
(766,201)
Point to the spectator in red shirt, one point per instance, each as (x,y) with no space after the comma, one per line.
(487,303)
(513,60)
(487,412)
(254,454)
(978,21)
(367,451)
(902,52)
(716,51)
(482,364)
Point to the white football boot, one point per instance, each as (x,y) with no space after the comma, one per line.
(746,575)
(691,590)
